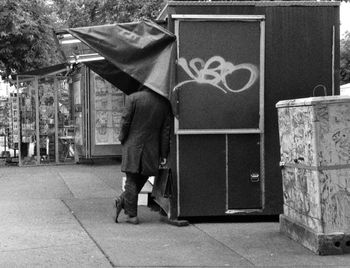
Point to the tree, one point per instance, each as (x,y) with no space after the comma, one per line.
(130,10)
(26,37)
(345,59)
(27,27)
(79,13)
(75,13)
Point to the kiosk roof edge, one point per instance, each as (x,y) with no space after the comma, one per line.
(163,14)
(254,3)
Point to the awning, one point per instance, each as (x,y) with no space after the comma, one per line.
(47,71)
(134,53)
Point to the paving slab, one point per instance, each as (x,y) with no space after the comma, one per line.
(44,232)
(31,183)
(80,255)
(87,185)
(152,243)
(92,180)
(263,245)
(110,175)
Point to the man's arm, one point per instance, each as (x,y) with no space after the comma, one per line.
(126,119)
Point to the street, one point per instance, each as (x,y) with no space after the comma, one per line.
(63,216)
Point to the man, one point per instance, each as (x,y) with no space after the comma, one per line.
(144,135)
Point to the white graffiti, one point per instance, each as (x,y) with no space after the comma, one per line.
(215,72)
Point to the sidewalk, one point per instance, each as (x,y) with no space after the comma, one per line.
(63,216)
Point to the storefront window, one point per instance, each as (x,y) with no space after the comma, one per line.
(77,113)
(27,123)
(47,121)
(109,103)
(13,129)
(65,123)
(46,126)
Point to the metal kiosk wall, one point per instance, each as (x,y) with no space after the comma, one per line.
(225,123)
(235,61)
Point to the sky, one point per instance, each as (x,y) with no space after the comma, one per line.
(344,18)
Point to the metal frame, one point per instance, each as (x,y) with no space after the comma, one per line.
(37,118)
(333,60)
(87,106)
(246,18)
(217,17)
(19,125)
(35,79)
(215,131)
(56,118)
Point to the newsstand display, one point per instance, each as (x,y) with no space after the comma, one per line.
(45,117)
(98,106)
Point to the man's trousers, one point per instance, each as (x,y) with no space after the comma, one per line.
(133,185)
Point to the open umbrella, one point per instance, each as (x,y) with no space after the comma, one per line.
(135,53)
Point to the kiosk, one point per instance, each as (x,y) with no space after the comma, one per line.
(233,62)
(43,117)
(65,114)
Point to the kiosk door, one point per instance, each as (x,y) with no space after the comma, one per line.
(219,117)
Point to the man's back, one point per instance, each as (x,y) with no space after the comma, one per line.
(150,111)
(145,127)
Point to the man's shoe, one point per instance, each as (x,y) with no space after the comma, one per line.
(132,220)
(119,207)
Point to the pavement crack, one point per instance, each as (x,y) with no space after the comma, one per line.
(223,244)
(64,182)
(89,235)
(35,248)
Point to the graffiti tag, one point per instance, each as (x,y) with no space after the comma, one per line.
(215,72)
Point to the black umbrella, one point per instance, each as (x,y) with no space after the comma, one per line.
(135,53)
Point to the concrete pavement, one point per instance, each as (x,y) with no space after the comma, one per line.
(63,216)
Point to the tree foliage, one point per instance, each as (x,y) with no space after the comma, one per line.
(26,36)
(345,59)
(78,13)
(27,26)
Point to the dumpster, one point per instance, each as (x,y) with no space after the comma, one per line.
(315,161)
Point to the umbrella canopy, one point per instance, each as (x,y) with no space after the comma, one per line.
(135,53)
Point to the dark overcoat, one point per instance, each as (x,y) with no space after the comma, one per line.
(145,132)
